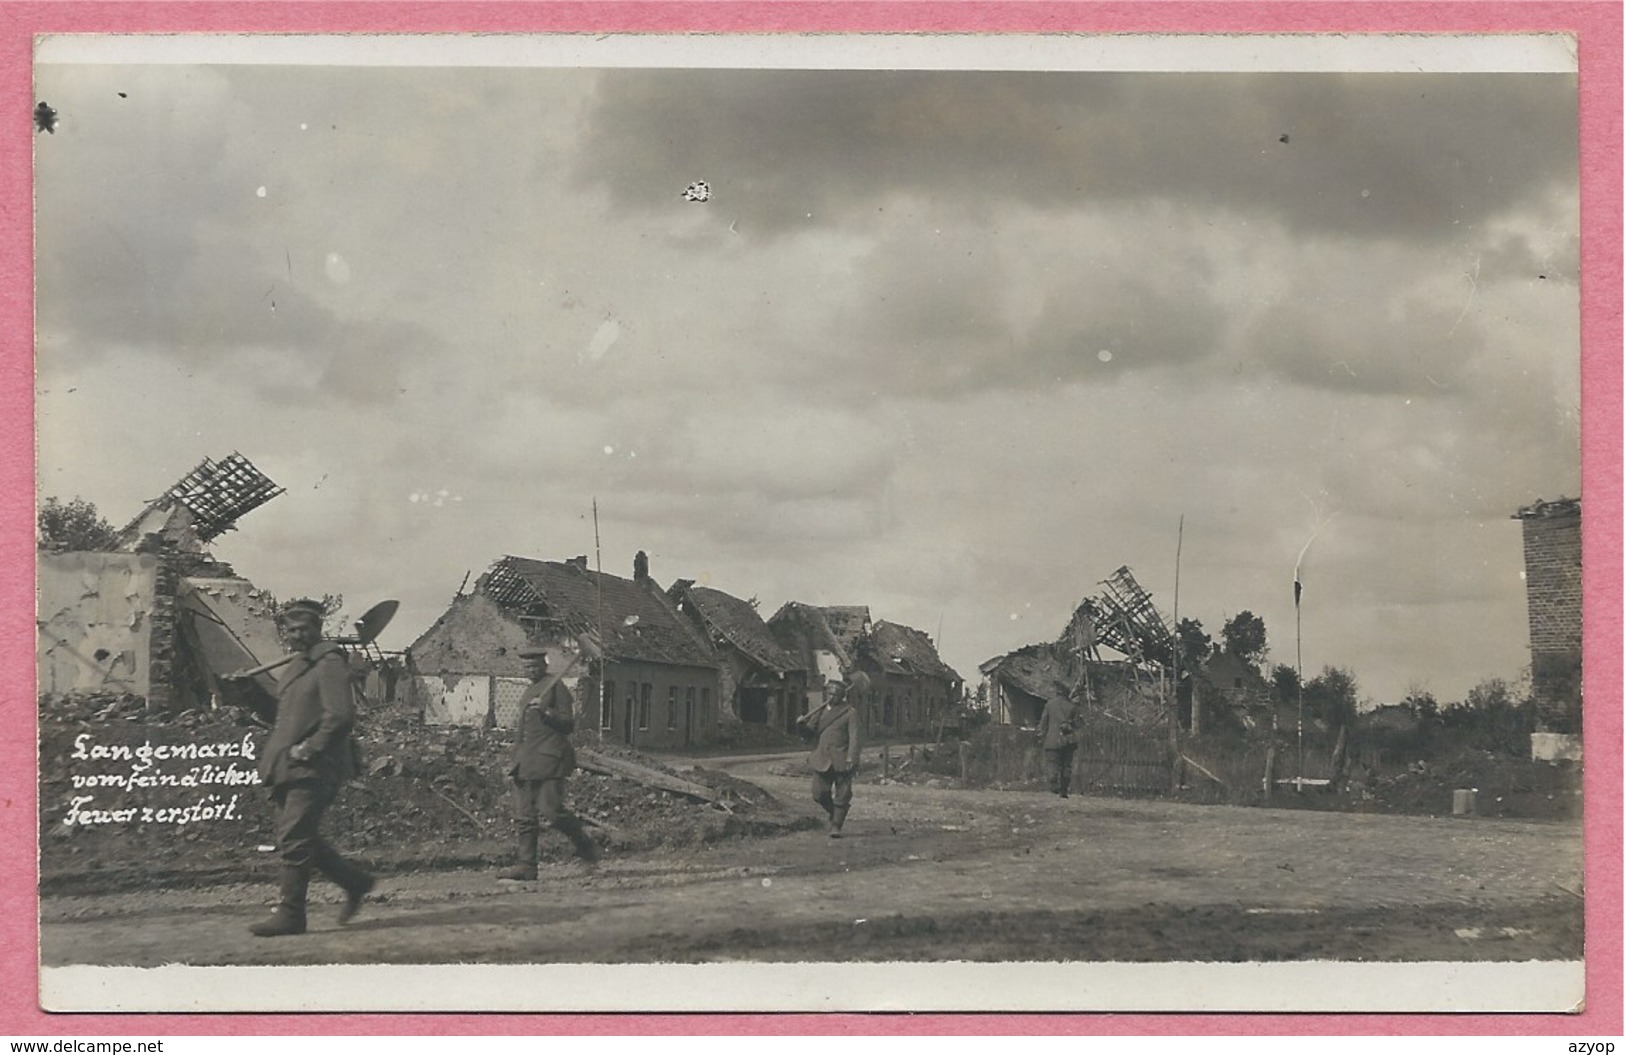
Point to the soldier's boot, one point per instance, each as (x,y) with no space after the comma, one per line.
(289,914)
(837,818)
(356,882)
(573,830)
(526,868)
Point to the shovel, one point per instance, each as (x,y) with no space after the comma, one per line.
(367,629)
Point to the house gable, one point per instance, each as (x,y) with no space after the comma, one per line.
(905,651)
(474,635)
(736,623)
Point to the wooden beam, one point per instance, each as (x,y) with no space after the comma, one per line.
(593,762)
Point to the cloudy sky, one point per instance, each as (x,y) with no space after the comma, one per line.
(955,344)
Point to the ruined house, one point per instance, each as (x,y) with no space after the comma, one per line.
(1135,690)
(1228,689)
(1021,683)
(913,688)
(157,616)
(805,632)
(1553,580)
(761,683)
(910,686)
(1018,685)
(639,672)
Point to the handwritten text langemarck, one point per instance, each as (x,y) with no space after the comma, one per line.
(135,768)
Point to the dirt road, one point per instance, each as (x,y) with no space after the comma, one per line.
(929,874)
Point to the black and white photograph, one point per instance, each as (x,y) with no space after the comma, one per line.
(810,523)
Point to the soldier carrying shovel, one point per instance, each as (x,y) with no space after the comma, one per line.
(308,757)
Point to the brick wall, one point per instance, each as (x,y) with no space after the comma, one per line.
(1551,556)
(161,668)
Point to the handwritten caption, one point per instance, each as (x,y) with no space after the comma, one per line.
(148,768)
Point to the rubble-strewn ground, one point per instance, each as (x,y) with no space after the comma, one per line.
(1505,786)
(930,874)
(429,797)
(929,870)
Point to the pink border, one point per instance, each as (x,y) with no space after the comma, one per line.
(1598,26)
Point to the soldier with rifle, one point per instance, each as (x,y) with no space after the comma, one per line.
(542,758)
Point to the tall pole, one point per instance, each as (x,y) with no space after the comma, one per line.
(1173,711)
(1297,607)
(603,645)
(1179,551)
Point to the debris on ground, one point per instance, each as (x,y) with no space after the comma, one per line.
(1504,786)
(1005,758)
(425,797)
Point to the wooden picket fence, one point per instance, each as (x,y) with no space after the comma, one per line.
(1119,758)
(1125,759)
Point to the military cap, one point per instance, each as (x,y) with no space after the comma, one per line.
(302,609)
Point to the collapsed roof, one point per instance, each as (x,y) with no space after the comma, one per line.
(737,623)
(898,649)
(201,506)
(627,619)
(1123,618)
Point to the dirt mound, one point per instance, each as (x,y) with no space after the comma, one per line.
(128,800)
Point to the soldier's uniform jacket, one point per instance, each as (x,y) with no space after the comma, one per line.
(838,739)
(1058,713)
(315,705)
(546,719)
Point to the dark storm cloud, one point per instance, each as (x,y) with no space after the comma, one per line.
(1394,155)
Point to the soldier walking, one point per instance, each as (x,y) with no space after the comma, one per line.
(308,757)
(834,757)
(1058,728)
(542,758)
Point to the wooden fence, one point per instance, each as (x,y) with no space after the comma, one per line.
(1120,758)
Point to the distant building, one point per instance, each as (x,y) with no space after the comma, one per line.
(761,683)
(1226,686)
(806,632)
(1020,683)
(1552,576)
(640,672)
(911,689)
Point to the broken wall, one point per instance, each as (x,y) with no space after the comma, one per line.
(474,635)
(95,622)
(227,625)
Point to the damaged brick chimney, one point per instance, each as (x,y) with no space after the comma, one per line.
(640,567)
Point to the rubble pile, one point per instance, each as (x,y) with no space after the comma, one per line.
(1504,787)
(752,738)
(426,797)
